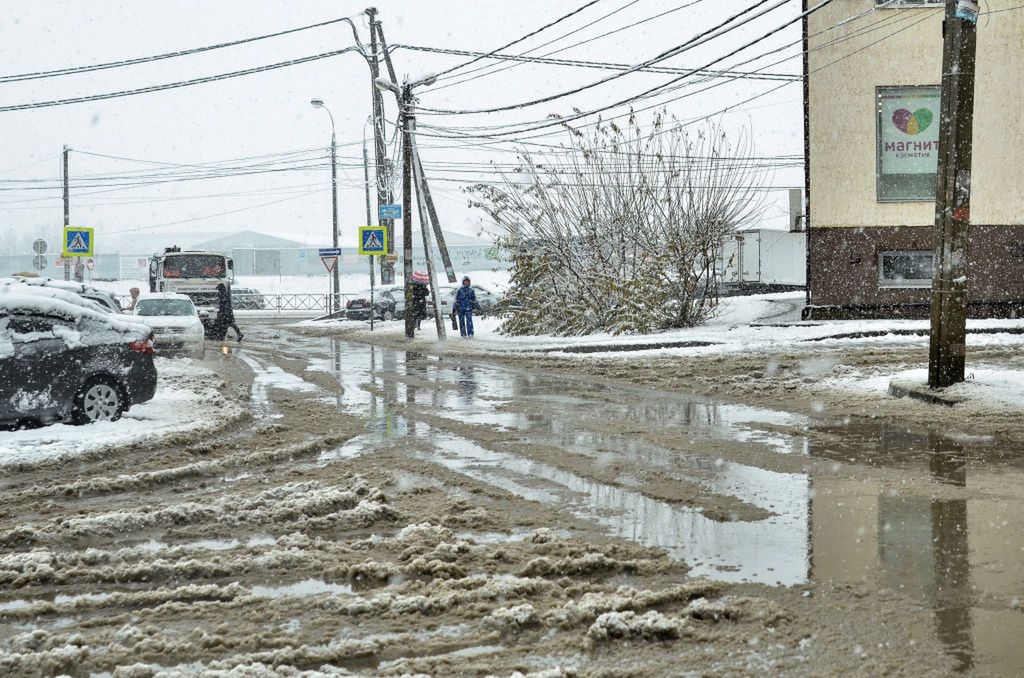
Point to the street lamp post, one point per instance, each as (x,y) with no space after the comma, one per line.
(335,295)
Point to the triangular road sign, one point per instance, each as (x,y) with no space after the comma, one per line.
(329,263)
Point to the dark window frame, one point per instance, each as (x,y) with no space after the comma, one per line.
(904,283)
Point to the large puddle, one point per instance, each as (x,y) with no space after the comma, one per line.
(955,542)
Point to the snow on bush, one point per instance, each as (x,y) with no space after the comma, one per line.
(620,231)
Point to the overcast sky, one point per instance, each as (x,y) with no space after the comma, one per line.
(269,113)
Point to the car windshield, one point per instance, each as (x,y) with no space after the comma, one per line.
(165,307)
(194,266)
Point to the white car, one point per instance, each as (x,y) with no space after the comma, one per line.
(177,324)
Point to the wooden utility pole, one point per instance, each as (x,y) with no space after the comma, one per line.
(953,196)
(409,129)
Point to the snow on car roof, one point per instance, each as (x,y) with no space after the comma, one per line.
(17,298)
(76,287)
(164,295)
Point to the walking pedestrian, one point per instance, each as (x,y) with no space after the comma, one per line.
(225,315)
(465,302)
(419,302)
(134,292)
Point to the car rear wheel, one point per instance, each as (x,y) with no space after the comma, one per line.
(98,400)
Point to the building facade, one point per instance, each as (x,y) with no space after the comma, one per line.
(871,96)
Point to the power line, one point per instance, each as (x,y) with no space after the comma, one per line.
(518,40)
(211,216)
(72,70)
(879,24)
(581,114)
(697,40)
(575,44)
(597,64)
(175,85)
(491,69)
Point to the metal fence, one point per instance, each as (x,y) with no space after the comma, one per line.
(279,303)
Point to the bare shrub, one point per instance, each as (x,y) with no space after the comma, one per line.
(620,230)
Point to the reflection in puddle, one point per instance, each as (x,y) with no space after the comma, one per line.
(963,557)
(770,551)
(301,589)
(959,549)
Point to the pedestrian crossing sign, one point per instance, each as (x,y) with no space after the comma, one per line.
(78,242)
(373,240)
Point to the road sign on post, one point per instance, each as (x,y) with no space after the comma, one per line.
(385,212)
(39,246)
(373,240)
(78,242)
(329,255)
(39,262)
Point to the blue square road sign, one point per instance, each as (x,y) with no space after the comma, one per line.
(373,240)
(78,242)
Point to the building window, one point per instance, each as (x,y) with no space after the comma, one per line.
(907,143)
(905,269)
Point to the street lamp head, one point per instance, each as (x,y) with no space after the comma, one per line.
(317,103)
(385,84)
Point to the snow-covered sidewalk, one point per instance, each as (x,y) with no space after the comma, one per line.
(763,323)
(187,400)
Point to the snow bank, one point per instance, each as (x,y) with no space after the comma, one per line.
(187,400)
(992,387)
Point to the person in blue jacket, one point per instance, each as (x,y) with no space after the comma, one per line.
(465,302)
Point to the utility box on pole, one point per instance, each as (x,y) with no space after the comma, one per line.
(946,356)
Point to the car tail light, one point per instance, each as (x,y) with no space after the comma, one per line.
(144,346)
(349,304)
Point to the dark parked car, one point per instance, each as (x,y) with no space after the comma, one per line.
(62,360)
(388,304)
(247,299)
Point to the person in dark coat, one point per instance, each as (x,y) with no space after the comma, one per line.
(419,302)
(225,315)
(465,302)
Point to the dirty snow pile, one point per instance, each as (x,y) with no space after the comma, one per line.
(188,399)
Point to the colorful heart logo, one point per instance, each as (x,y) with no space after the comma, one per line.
(912,123)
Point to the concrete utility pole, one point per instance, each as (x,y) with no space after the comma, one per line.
(408,129)
(384,196)
(67,212)
(946,355)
